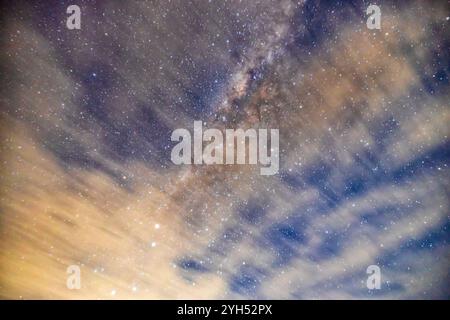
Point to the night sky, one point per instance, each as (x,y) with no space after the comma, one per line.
(86,176)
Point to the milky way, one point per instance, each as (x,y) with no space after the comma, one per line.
(86,179)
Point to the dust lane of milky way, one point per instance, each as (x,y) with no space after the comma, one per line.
(86,177)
